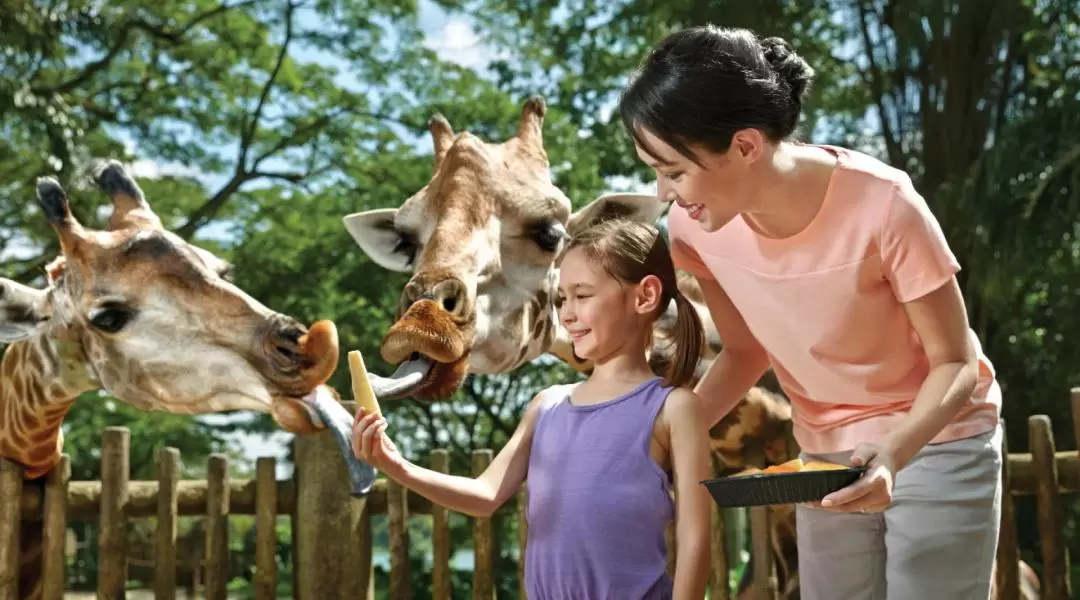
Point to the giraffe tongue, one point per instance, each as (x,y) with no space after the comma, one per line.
(408,377)
(334,417)
(326,412)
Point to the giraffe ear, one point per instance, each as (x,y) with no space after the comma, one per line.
(23,311)
(635,207)
(375,233)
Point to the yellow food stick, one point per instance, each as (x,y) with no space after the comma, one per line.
(361,387)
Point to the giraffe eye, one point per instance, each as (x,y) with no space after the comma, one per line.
(111,318)
(548,235)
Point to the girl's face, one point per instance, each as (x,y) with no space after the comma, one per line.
(715,192)
(602,315)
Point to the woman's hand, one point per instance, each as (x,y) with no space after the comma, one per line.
(371,445)
(873,491)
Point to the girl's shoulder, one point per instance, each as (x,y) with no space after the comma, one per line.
(682,406)
(551,396)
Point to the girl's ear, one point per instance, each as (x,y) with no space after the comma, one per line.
(649,293)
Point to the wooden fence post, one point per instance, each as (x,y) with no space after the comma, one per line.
(54,524)
(441,586)
(112,522)
(719,588)
(325,563)
(217,527)
(168,476)
(265,528)
(483,544)
(764,579)
(11,485)
(397,526)
(1055,556)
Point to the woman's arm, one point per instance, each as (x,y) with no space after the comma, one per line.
(940,320)
(690,459)
(478,497)
(741,362)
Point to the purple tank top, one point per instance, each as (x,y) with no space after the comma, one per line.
(598,503)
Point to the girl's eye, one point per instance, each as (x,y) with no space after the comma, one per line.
(674,176)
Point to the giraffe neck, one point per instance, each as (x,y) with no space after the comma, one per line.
(40,378)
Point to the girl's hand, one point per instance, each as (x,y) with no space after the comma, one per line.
(873,491)
(371,445)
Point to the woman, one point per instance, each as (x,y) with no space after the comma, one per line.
(828,266)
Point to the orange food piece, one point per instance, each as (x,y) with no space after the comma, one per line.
(748,471)
(823,466)
(791,466)
(798,466)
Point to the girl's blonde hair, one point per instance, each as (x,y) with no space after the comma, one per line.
(629,251)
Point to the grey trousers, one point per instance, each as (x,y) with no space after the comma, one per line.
(936,540)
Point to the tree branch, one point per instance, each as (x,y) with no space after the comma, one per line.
(174,37)
(877,88)
(214,204)
(248,133)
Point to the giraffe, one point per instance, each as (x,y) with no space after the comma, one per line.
(135,310)
(479,242)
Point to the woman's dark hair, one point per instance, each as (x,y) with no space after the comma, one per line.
(631,250)
(702,84)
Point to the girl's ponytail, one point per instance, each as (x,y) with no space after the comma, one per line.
(688,339)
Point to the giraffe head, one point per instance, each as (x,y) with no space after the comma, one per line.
(154,320)
(480,241)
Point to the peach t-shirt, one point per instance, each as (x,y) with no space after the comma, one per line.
(826,304)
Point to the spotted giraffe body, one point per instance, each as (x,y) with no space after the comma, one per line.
(140,313)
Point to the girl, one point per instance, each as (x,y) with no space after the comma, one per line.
(601,457)
(828,265)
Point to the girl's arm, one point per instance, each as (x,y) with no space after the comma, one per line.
(478,497)
(690,458)
(741,362)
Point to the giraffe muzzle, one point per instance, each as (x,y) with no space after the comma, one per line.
(427,331)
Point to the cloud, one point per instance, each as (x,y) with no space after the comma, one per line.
(454,38)
(456,41)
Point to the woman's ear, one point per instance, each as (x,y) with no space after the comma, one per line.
(649,292)
(748,145)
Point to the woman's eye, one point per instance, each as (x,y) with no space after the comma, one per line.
(674,176)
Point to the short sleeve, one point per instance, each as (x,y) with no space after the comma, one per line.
(683,253)
(916,258)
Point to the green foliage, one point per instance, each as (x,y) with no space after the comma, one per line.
(255,126)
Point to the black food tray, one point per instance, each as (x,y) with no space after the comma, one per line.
(762,489)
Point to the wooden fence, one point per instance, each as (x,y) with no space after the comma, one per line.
(332,531)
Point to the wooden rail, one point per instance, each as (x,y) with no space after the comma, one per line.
(333,534)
